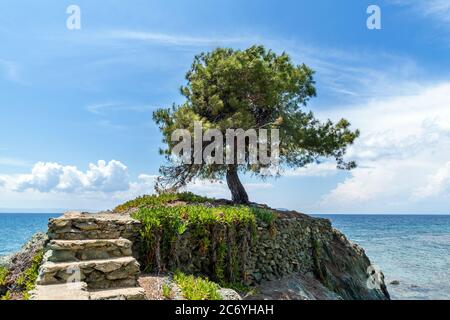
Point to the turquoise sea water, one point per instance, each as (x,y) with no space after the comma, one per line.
(414,250)
(17,228)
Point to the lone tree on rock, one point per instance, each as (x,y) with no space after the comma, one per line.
(250,89)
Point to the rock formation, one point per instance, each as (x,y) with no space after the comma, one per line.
(95,256)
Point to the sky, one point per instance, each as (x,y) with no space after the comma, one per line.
(76,129)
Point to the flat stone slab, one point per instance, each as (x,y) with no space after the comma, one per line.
(81,250)
(133,293)
(67,291)
(98,274)
(79,291)
(89,226)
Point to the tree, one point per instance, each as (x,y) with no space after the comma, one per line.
(250,89)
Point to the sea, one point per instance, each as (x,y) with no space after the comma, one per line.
(413,250)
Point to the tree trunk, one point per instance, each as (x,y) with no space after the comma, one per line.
(238,193)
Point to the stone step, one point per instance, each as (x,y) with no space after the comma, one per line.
(67,291)
(82,250)
(98,274)
(89,226)
(133,293)
(79,291)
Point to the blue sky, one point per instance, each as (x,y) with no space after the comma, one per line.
(72,98)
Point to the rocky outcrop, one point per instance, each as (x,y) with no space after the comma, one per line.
(347,271)
(293,257)
(293,244)
(297,243)
(293,287)
(339,270)
(17,266)
(18,262)
(92,256)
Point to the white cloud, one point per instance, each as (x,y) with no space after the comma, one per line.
(44,177)
(108,177)
(404,141)
(102,186)
(438,184)
(144,185)
(324,169)
(172,39)
(53,177)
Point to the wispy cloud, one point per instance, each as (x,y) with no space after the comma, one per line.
(347,74)
(172,39)
(13,162)
(103,108)
(438,10)
(111,125)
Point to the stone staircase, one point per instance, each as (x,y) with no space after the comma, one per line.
(90,257)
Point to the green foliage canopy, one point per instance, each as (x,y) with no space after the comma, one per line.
(252,89)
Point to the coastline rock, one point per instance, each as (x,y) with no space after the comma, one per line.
(347,271)
(5,260)
(300,244)
(294,244)
(19,262)
(229,294)
(293,287)
(294,257)
(22,260)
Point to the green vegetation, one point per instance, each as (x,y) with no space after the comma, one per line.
(178,217)
(3,275)
(265,215)
(7,296)
(163,225)
(194,288)
(319,270)
(221,234)
(149,201)
(250,89)
(166,291)
(27,280)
